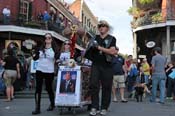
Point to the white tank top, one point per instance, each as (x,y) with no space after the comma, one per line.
(46,61)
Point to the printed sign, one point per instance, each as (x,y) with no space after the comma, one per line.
(34,65)
(68,88)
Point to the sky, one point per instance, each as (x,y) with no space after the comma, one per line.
(117,16)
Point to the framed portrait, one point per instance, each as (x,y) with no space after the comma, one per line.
(68,82)
(13,43)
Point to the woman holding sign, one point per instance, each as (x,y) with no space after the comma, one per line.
(46,57)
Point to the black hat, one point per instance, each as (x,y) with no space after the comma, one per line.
(104,23)
(158,49)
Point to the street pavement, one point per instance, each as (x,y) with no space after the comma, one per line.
(24,107)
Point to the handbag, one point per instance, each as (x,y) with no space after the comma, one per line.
(172,75)
(2,85)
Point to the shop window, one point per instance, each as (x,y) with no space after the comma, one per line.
(24,9)
(172,46)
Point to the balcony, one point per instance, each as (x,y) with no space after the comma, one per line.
(35,24)
(147,18)
(151,14)
(151,17)
(38,28)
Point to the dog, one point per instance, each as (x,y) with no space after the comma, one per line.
(139,91)
(71,63)
(140,87)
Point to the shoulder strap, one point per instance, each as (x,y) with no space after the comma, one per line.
(109,41)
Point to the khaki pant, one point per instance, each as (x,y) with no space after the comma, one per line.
(9,77)
(119,81)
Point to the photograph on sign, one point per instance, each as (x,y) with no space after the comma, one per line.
(68,82)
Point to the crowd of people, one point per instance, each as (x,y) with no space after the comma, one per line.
(140,77)
(110,72)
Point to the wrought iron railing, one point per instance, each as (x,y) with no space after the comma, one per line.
(154,17)
(36,24)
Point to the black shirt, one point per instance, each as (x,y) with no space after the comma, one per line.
(117,64)
(99,57)
(10,62)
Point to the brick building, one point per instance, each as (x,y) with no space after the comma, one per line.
(25,23)
(85,15)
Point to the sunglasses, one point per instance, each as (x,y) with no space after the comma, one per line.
(66,43)
(48,37)
(102,25)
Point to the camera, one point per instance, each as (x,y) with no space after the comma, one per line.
(92,44)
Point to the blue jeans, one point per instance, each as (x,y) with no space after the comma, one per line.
(158,80)
(131,82)
(146,79)
(6,19)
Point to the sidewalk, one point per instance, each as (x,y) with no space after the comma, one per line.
(24,107)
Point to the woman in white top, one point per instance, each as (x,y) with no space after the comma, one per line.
(46,57)
(65,53)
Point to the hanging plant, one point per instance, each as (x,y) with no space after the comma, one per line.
(136,12)
(156,18)
(145,1)
(134,25)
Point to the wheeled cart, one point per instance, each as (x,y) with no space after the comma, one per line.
(72,90)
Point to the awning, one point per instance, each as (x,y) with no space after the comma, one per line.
(25,30)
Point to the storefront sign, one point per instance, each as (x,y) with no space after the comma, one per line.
(29,44)
(150,44)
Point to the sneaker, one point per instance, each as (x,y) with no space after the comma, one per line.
(161,102)
(98,111)
(93,112)
(124,101)
(169,98)
(152,101)
(115,100)
(103,112)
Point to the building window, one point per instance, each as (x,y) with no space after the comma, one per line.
(24,9)
(172,45)
(82,18)
(85,20)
